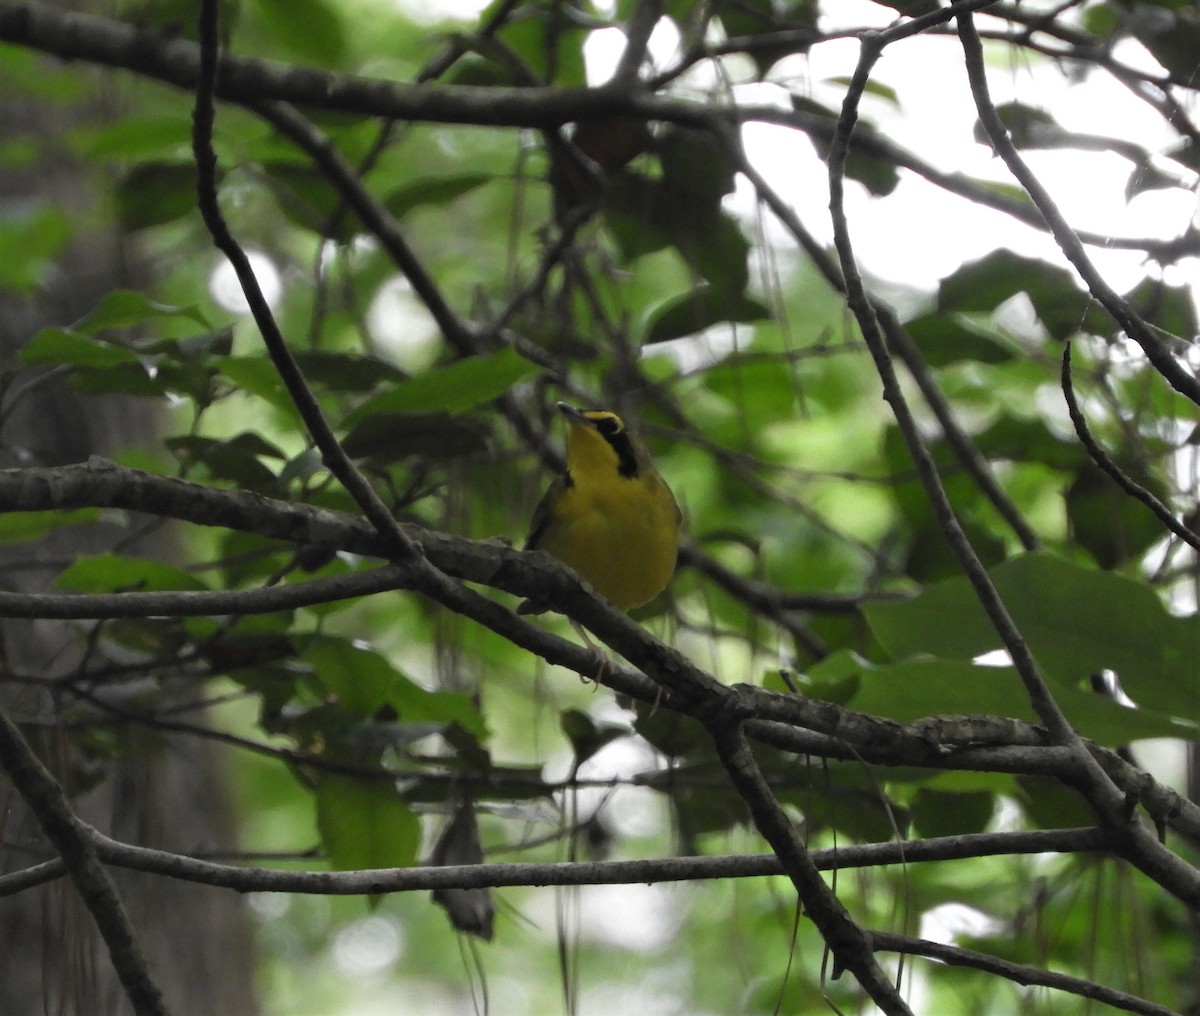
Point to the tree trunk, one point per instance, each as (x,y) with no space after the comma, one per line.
(198,940)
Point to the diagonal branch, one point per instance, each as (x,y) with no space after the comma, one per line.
(850,944)
(1182,380)
(74,843)
(1021,973)
(1105,463)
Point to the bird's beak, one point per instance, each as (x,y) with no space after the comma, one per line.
(572,413)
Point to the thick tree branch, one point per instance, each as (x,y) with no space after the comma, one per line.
(499,875)
(837,732)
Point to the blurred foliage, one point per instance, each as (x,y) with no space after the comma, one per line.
(673,304)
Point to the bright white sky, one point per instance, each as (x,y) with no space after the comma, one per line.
(899,238)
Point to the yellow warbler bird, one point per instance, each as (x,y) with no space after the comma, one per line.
(610,516)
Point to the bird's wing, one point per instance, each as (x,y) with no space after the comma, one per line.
(541,514)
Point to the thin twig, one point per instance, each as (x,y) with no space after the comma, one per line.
(1021,973)
(1115,473)
(1182,380)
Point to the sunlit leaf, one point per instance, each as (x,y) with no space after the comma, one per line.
(1077,621)
(112,572)
(365,824)
(64,347)
(124,308)
(18,526)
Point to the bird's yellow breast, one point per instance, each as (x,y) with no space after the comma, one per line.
(620,533)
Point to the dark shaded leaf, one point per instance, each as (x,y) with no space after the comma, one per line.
(1113,526)
(1060,305)
(310,30)
(153,193)
(236,459)
(433,190)
(390,437)
(952,338)
(696,310)
(586,735)
(1170,308)
(947,813)
(695,164)
(875,172)
(346,372)
(1028,127)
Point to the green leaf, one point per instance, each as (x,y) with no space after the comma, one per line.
(1077,622)
(124,308)
(258,376)
(696,164)
(364,824)
(1018,439)
(1028,126)
(361,679)
(875,172)
(346,372)
(1114,527)
(698,309)
(945,813)
(19,526)
(645,215)
(364,681)
(309,200)
(310,30)
(154,193)
(918,688)
(389,437)
(586,735)
(466,383)
(1170,308)
(433,190)
(39,234)
(139,137)
(542,36)
(1060,305)
(108,573)
(63,347)
(953,338)
(873,87)
(235,459)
